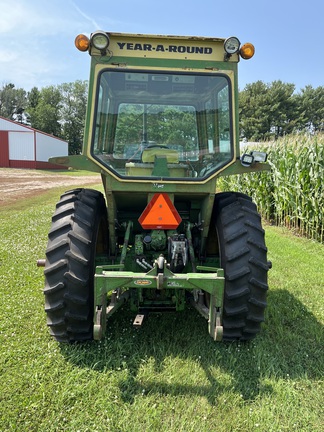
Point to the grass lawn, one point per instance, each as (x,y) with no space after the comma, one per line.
(169,375)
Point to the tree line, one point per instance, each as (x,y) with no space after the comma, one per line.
(267,111)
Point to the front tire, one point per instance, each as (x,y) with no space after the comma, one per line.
(243,256)
(78,233)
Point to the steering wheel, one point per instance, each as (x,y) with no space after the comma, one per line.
(157,146)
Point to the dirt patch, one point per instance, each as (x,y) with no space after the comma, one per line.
(16,184)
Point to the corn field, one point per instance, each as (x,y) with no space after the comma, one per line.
(292,194)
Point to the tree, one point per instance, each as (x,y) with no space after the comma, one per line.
(73,112)
(254,104)
(311,107)
(282,108)
(12,100)
(45,116)
(267,110)
(33,97)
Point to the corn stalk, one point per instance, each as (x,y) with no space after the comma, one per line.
(292,194)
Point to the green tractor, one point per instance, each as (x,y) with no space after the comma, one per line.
(161,128)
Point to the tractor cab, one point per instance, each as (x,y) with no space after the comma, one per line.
(162,107)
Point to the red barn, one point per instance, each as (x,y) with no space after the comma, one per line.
(24,147)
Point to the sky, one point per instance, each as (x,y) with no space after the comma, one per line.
(37,36)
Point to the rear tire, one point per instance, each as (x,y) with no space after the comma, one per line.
(243,256)
(78,233)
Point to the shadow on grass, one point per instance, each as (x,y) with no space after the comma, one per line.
(289,347)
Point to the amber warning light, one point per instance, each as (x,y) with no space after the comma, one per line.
(82,42)
(160,213)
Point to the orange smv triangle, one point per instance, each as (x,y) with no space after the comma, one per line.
(160,213)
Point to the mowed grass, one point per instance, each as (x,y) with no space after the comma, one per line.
(169,375)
